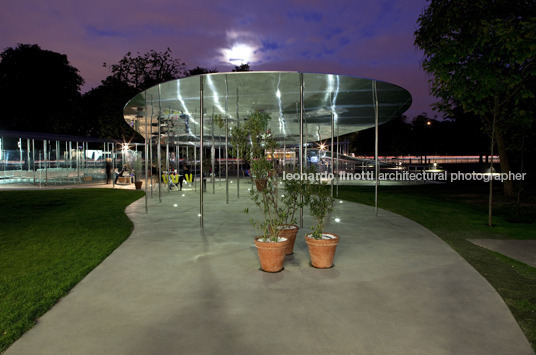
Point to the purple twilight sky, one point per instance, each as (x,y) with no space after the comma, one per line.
(371,39)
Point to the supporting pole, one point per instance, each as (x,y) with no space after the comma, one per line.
(167,161)
(213,151)
(376,162)
(146,156)
(237,151)
(158,153)
(226,140)
(28,153)
(338,153)
(113,165)
(332,139)
(490,198)
(33,158)
(78,162)
(301,145)
(20,154)
(285,153)
(151,147)
(201,148)
(227,160)
(45,154)
(219,158)
(195,165)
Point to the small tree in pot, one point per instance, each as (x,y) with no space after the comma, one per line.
(321,245)
(259,152)
(292,198)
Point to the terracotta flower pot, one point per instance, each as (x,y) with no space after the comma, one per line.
(138,184)
(271,254)
(322,251)
(290,234)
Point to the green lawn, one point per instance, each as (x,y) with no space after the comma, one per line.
(49,240)
(457,213)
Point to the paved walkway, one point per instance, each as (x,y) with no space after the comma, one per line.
(521,250)
(174,288)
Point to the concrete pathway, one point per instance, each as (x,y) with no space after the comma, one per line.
(521,250)
(175,288)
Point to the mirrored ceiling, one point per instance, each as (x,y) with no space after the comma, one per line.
(175,105)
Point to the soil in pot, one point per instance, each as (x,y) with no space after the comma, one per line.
(322,251)
(289,232)
(271,254)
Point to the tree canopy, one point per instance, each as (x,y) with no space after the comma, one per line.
(200,70)
(242,67)
(103,110)
(40,91)
(481,57)
(145,70)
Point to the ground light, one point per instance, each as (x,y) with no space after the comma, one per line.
(337,220)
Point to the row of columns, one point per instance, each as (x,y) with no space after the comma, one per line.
(302,148)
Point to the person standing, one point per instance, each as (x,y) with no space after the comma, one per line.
(108,170)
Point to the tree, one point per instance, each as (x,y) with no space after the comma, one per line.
(242,67)
(40,91)
(103,110)
(148,69)
(481,56)
(200,70)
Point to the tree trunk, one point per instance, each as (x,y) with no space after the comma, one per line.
(508,185)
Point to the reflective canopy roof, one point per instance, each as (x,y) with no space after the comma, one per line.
(234,96)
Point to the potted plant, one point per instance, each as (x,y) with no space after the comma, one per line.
(291,200)
(271,245)
(256,145)
(322,245)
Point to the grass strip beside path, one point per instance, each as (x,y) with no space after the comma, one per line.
(49,241)
(455,216)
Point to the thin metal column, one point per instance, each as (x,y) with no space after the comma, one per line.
(305,144)
(158,153)
(301,145)
(28,153)
(146,156)
(332,139)
(113,164)
(20,155)
(33,159)
(213,153)
(285,153)
(45,154)
(219,158)
(167,162)
(78,162)
(151,155)
(201,147)
(226,140)
(237,151)
(227,160)
(376,163)
(338,153)
(195,165)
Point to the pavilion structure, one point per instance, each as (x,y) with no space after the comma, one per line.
(304,108)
